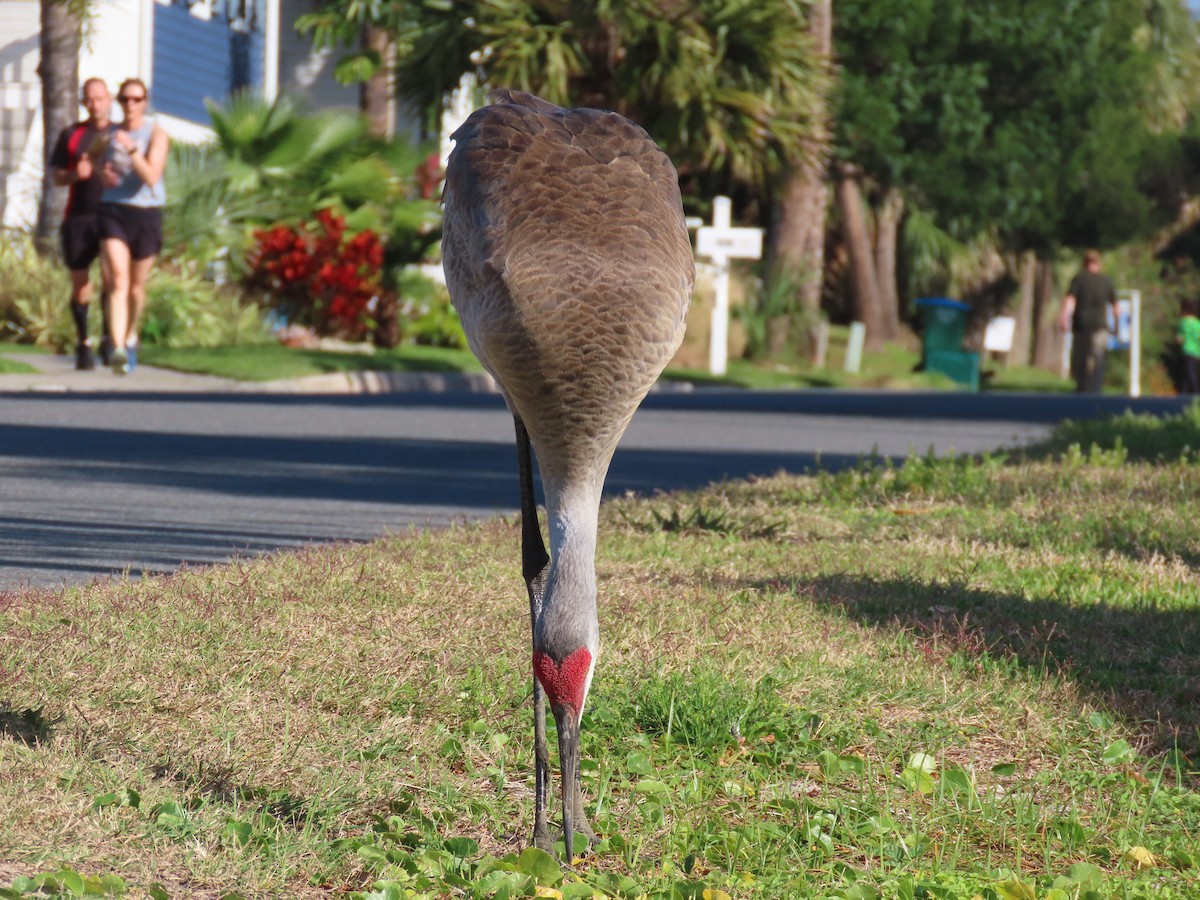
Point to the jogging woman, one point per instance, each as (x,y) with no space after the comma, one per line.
(130,219)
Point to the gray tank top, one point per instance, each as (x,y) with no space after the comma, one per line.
(131,190)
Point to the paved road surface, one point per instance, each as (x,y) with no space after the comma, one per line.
(92,484)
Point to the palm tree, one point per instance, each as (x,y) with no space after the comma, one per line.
(798,248)
(732,89)
(206,218)
(61,36)
(277,149)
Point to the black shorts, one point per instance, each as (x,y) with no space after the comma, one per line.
(138,227)
(80,241)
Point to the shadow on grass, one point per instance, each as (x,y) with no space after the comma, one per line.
(26,726)
(1141,664)
(221,783)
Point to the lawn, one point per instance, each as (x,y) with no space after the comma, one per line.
(9,366)
(15,367)
(272,362)
(951,679)
(892,368)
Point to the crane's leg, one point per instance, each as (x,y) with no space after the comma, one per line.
(535,567)
(579,818)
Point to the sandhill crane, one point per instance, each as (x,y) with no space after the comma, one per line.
(568,260)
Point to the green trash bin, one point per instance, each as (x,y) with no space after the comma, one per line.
(944,321)
(959,366)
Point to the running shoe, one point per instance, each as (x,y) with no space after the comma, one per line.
(120,362)
(131,355)
(106,349)
(83,357)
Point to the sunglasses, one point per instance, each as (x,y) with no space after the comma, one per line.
(125,99)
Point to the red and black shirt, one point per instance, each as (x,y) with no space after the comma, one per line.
(73,143)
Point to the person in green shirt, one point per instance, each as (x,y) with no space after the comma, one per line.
(1085,315)
(1189,338)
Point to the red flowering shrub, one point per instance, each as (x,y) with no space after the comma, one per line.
(317,275)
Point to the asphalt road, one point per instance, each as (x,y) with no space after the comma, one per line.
(96,484)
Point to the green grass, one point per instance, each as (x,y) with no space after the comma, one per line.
(10,366)
(271,362)
(15,367)
(1135,436)
(1025,378)
(891,368)
(947,679)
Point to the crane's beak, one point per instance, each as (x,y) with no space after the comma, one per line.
(566,721)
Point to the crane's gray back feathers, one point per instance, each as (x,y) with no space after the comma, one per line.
(569,262)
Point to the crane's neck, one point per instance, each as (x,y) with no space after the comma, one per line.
(567,622)
(571,519)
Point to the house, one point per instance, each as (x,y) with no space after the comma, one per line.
(185,50)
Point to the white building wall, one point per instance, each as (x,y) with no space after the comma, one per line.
(19,24)
(20,87)
(120,46)
(114,48)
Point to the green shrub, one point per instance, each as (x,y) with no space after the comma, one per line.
(184,310)
(206,220)
(431,320)
(1139,436)
(774,319)
(35,295)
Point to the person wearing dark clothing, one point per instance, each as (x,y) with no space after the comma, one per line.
(74,164)
(1085,313)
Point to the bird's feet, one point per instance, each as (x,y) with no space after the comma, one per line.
(584,827)
(543,841)
(541,838)
(580,821)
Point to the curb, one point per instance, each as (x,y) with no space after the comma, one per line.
(404,382)
(57,376)
(375,383)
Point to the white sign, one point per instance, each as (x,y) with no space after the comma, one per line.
(721,242)
(999,334)
(732,243)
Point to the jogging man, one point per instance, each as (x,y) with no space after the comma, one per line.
(75,163)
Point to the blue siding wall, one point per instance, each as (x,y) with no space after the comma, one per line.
(195,59)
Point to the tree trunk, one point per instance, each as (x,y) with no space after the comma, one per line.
(887,231)
(1047,348)
(1023,332)
(59,72)
(375,96)
(799,238)
(798,241)
(862,262)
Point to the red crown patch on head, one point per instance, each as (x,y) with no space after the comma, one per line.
(564,683)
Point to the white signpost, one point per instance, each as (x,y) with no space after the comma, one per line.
(1129,333)
(721,242)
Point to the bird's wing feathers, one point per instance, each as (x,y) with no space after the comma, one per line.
(526,167)
(568,259)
